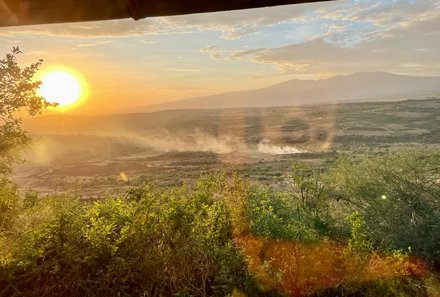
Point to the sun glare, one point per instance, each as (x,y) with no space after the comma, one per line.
(61,87)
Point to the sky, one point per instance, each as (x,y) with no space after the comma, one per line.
(128,63)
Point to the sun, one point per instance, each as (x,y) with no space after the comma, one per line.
(62,87)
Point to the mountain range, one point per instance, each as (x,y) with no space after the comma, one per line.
(360,86)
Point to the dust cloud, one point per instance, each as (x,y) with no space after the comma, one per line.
(187,142)
(49,149)
(266,147)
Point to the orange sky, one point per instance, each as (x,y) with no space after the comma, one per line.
(127,63)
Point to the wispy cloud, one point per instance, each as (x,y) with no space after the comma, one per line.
(213,51)
(149,42)
(96,43)
(37,53)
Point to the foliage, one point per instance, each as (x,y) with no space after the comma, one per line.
(358,243)
(307,187)
(401,287)
(398,197)
(223,235)
(8,205)
(174,241)
(299,269)
(18,92)
(275,215)
(301,213)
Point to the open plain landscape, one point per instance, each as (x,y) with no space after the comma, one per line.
(107,154)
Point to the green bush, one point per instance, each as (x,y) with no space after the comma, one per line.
(9,204)
(300,213)
(398,196)
(154,242)
(275,215)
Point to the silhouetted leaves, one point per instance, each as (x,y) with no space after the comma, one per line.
(18,92)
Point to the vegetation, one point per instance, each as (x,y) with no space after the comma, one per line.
(398,196)
(18,92)
(222,235)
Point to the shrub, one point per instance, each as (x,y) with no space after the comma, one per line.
(154,242)
(222,235)
(299,269)
(274,214)
(398,196)
(9,206)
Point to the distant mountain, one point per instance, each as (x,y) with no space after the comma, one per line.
(361,86)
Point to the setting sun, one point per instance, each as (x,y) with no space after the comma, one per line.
(61,87)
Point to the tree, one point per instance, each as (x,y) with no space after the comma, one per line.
(18,93)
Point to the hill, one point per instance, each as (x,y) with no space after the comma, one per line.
(361,86)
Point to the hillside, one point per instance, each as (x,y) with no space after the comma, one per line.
(362,86)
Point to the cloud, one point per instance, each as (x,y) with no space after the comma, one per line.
(96,43)
(214,52)
(313,39)
(343,22)
(361,18)
(412,65)
(246,53)
(397,54)
(185,88)
(37,53)
(409,46)
(232,24)
(149,42)
(235,24)
(117,28)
